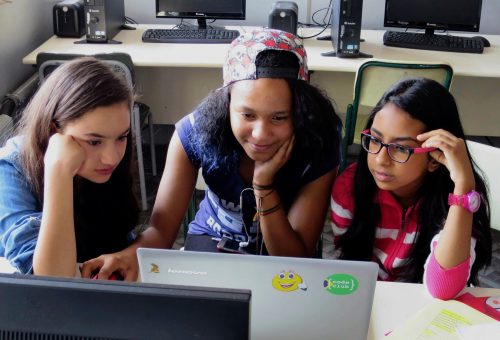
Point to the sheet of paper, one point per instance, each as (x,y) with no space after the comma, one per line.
(487,331)
(440,320)
(5,266)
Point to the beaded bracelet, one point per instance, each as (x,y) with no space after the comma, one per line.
(262,187)
(270,210)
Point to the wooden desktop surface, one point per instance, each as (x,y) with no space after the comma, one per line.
(173,78)
(212,55)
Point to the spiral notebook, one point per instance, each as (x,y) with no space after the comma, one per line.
(292,298)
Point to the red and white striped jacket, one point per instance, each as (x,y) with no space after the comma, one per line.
(394,236)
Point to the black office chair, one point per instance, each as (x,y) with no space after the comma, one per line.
(141,115)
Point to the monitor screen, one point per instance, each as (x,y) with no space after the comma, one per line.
(201,9)
(453,15)
(56,308)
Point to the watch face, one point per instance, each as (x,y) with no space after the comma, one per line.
(474,201)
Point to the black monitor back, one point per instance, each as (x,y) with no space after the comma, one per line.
(452,15)
(55,308)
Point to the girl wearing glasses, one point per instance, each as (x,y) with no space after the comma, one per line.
(414,201)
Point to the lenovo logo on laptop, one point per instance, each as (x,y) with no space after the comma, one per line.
(154,268)
(185,272)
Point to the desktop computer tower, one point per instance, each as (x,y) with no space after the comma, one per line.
(283,16)
(103,19)
(346,28)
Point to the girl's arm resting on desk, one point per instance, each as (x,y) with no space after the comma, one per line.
(454,243)
(446,283)
(174,193)
(298,233)
(452,251)
(55,252)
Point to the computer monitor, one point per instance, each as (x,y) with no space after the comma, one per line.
(56,308)
(201,10)
(431,15)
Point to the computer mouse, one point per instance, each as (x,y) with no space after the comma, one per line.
(485,41)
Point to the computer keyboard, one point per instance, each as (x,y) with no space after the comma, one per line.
(190,36)
(434,42)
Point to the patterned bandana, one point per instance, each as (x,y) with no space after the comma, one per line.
(240,60)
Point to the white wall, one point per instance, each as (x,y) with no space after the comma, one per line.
(24,24)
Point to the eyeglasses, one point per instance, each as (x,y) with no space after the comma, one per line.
(398,153)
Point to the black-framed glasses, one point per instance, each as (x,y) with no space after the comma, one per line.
(398,153)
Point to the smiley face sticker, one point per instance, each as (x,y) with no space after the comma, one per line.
(288,281)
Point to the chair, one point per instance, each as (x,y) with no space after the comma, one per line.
(6,126)
(487,159)
(122,64)
(373,78)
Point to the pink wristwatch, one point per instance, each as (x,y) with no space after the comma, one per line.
(470,201)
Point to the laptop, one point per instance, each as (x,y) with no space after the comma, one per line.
(292,298)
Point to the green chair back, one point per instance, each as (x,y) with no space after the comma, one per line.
(373,79)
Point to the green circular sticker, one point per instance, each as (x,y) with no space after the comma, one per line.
(341,284)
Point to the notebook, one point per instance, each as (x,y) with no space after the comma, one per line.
(292,298)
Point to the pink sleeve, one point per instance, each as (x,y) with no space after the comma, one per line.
(342,202)
(444,283)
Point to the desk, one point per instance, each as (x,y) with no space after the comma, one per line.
(5,266)
(395,302)
(168,75)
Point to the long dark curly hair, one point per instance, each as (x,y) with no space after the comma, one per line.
(317,127)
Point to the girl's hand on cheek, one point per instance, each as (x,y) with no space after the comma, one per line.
(264,172)
(64,154)
(453,154)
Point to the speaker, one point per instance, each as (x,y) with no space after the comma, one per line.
(346,29)
(283,16)
(103,20)
(68,18)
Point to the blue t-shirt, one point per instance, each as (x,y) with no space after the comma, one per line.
(220,212)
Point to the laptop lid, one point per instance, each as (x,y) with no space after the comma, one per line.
(292,298)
